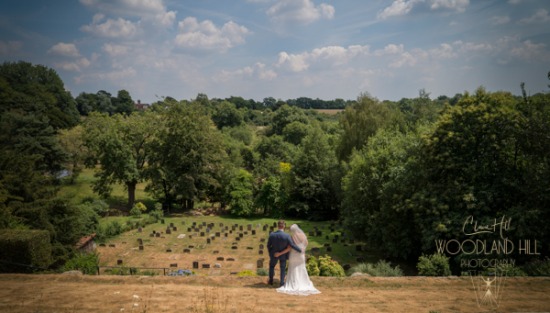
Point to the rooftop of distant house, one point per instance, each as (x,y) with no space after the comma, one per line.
(141,106)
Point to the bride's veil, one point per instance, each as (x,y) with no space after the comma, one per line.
(298,235)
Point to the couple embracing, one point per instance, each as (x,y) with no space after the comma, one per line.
(283,247)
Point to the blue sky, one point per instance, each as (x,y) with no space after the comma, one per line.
(283,48)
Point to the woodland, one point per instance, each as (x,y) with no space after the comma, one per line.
(398,175)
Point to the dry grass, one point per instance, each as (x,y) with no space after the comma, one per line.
(221,294)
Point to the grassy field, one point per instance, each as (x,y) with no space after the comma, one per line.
(230,294)
(207,239)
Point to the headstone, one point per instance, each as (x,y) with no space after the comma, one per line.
(195,264)
(234,247)
(186,250)
(262,240)
(249,227)
(140,241)
(168,231)
(217,265)
(208,240)
(260,263)
(241,235)
(220,258)
(253,232)
(174,265)
(157,235)
(141,247)
(329,249)
(218,234)
(206,265)
(261,246)
(168,250)
(111,245)
(171,224)
(215,252)
(191,246)
(202,234)
(346,267)
(311,234)
(231,259)
(188,229)
(140,229)
(249,248)
(261,252)
(265,227)
(118,262)
(241,227)
(174,228)
(225,234)
(162,221)
(102,245)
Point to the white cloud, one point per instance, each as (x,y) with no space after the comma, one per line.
(64,49)
(300,11)
(257,71)
(541,16)
(119,28)
(397,8)
(153,10)
(207,36)
(500,20)
(8,47)
(455,5)
(327,56)
(115,50)
(404,7)
(530,51)
(75,66)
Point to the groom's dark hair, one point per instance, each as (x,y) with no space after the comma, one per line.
(281,224)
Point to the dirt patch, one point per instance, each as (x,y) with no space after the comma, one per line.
(73,293)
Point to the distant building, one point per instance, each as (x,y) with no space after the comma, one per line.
(86,244)
(141,106)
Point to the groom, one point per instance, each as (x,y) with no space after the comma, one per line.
(278,241)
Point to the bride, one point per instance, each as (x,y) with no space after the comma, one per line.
(297,280)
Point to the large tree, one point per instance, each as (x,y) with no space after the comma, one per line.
(187,158)
(119,148)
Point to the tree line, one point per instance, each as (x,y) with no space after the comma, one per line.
(399,174)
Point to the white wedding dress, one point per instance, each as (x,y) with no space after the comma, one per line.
(297,280)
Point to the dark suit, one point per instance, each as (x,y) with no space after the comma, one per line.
(278,241)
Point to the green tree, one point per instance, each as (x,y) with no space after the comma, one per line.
(120,146)
(362,120)
(71,141)
(226,114)
(284,116)
(187,157)
(240,193)
(123,103)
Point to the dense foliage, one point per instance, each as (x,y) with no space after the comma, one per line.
(398,174)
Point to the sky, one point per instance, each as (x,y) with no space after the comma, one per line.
(283,49)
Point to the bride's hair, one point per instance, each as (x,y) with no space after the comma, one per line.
(298,235)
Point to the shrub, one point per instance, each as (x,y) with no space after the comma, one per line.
(138,209)
(329,267)
(433,265)
(262,272)
(312,266)
(246,273)
(24,250)
(156,214)
(509,270)
(381,268)
(87,263)
(538,267)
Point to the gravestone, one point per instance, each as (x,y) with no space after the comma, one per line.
(218,234)
(226,234)
(249,227)
(174,265)
(171,224)
(168,250)
(195,264)
(253,232)
(102,245)
(346,267)
(168,231)
(217,265)
(261,252)
(140,241)
(111,245)
(249,248)
(262,240)
(174,228)
(231,259)
(241,227)
(118,262)
(140,229)
(186,250)
(141,248)
(234,247)
(206,265)
(157,235)
(329,249)
(260,263)
(311,234)
(241,235)
(220,258)
(207,240)
(202,234)
(191,246)
(261,246)
(215,252)
(265,227)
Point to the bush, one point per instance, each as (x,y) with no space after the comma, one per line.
(312,266)
(87,263)
(509,270)
(138,209)
(433,265)
(329,267)
(156,215)
(538,267)
(246,273)
(381,268)
(262,272)
(24,251)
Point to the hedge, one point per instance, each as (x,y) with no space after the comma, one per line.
(24,251)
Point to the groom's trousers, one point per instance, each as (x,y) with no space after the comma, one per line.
(272,264)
